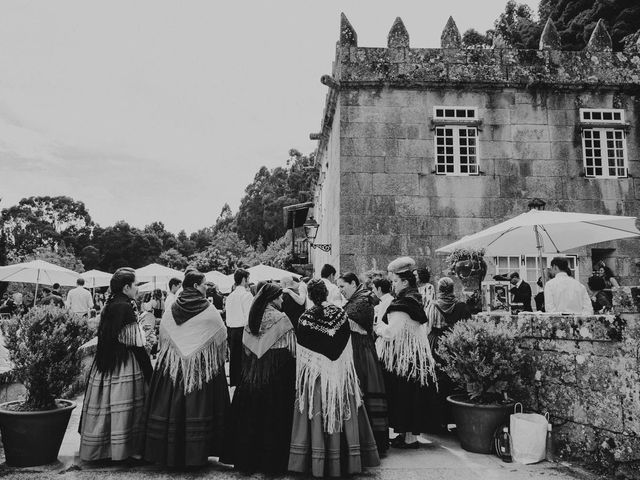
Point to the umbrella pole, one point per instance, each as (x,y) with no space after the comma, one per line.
(35,295)
(539,246)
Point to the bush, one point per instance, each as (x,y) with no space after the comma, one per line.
(482,359)
(43,346)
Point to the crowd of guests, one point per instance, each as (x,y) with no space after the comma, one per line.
(322,371)
(562,292)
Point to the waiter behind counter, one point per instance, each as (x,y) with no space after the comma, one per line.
(562,293)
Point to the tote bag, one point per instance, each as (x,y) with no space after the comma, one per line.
(528,436)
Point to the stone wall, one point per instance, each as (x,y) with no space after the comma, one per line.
(585,372)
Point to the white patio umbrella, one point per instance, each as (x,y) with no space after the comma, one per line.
(262,273)
(547,231)
(157,274)
(222,281)
(38,272)
(96,278)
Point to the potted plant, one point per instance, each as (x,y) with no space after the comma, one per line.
(482,360)
(43,347)
(467,262)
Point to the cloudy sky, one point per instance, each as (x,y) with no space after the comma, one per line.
(164,110)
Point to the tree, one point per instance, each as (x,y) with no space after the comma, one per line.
(174,259)
(260,212)
(124,246)
(225,221)
(278,253)
(167,238)
(517,27)
(576,19)
(473,38)
(42,222)
(226,252)
(59,256)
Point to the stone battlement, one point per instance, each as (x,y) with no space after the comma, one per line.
(399,65)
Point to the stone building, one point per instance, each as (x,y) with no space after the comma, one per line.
(421,146)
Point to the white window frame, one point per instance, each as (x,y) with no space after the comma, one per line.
(521,267)
(586,115)
(621,171)
(456,119)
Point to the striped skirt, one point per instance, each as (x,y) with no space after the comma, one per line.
(339,454)
(374,393)
(112,413)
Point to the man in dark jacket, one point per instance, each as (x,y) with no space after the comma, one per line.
(521,291)
(54,298)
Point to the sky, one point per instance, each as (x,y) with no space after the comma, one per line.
(165,110)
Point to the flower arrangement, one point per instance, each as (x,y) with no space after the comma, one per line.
(43,347)
(460,254)
(482,359)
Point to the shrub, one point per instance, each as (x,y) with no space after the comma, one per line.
(43,346)
(482,359)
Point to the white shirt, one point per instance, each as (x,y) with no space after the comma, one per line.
(334,297)
(169,300)
(565,294)
(237,307)
(79,300)
(380,309)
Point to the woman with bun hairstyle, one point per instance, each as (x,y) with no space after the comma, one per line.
(111,426)
(189,396)
(259,427)
(331,434)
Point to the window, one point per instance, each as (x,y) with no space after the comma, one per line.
(527,266)
(604,143)
(456,136)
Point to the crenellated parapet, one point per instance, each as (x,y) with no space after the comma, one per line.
(400,65)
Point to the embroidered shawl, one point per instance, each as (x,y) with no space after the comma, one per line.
(325,362)
(195,350)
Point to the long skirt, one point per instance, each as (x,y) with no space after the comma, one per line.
(111,426)
(440,407)
(259,427)
(341,453)
(234,339)
(409,405)
(371,380)
(184,430)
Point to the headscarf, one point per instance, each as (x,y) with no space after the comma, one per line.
(445,298)
(268,293)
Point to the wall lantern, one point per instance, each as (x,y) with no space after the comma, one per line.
(311,232)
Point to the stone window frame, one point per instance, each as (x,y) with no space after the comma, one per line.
(523,266)
(600,126)
(448,122)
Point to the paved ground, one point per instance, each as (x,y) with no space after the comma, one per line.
(441,459)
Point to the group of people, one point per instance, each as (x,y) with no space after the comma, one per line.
(563,293)
(321,372)
(78,300)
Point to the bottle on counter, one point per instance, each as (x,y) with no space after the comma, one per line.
(504,446)
(550,455)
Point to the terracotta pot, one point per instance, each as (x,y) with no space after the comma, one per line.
(476,424)
(33,438)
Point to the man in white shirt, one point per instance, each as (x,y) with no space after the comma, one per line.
(564,294)
(382,289)
(174,286)
(79,299)
(328,276)
(237,308)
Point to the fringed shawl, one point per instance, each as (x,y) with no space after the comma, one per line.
(276,331)
(195,350)
(409,301)
(325,361)
(408,353)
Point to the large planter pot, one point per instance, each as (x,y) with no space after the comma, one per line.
(33,438)
(476,424)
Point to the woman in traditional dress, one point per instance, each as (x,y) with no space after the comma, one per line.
(409,367)
(259,427)
(331,434)
(189,397)
(360,311)
(442,315)
(111,426)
